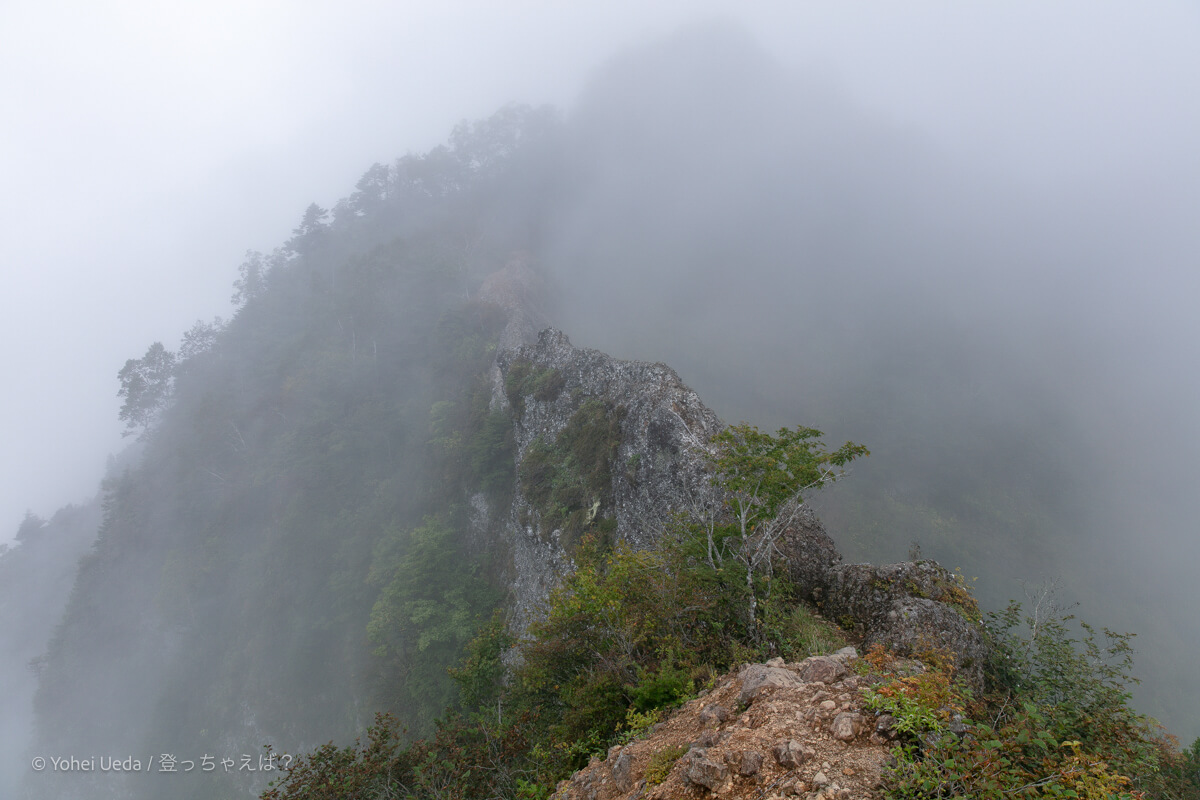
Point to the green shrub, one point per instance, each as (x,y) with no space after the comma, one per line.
(638,723)
(1056,722)
(364,769)
(921,703)
(570,480)
(611,638)
(1078,681)
(792,630)
(662,762)
(490,453)
(524,379)
(667,686)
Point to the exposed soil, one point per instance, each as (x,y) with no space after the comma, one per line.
(769,731)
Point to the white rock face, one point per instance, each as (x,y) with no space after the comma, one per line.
(659,467)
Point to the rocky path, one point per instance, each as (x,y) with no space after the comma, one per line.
(769,731)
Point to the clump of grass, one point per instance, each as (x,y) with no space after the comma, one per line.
(524,379)
(661,763)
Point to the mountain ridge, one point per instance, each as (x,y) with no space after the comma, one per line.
(386,443)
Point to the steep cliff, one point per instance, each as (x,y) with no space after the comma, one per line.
(615,447)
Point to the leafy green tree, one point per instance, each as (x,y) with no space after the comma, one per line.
(480,674)
(426,613)
(763,479)
(147,384)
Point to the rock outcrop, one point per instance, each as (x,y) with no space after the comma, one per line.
(769,730)
(910,607)
(601,445)
(659,466)
(519,290)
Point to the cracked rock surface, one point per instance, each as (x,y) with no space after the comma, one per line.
(659,468)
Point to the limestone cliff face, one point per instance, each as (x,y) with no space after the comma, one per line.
(602,445)
(660,462)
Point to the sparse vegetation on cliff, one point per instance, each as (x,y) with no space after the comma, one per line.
(570,480)
(631,634)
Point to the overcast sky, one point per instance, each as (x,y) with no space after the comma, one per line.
(144,146)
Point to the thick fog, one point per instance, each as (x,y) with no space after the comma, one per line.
(962,235)
(1013,348)
(145,148)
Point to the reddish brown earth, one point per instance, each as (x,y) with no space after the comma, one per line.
(768,731)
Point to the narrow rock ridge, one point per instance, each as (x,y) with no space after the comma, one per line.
(657,468)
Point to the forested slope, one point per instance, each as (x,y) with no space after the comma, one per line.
(300,499)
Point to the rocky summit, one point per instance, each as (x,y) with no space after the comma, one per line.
(769,730)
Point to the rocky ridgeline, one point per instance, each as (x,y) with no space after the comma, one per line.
(770,730)
(659,467)
(654,431)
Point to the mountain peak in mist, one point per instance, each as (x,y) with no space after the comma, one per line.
(708,85)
